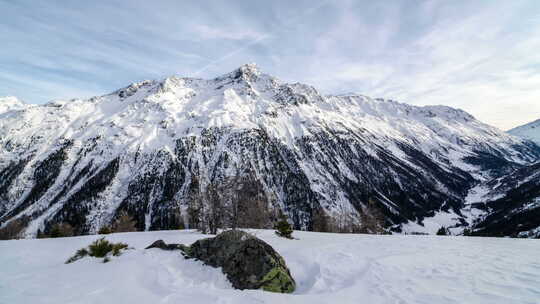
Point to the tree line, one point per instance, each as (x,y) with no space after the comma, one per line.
(235,202)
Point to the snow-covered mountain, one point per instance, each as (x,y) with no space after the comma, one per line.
(10,103)
(328,162)
(530,131)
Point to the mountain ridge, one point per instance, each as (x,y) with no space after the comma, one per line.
(529,131)
(154,147)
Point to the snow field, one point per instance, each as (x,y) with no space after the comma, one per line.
(328,268)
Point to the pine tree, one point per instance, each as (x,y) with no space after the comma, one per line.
(283,228)
(61,230)
(442,231)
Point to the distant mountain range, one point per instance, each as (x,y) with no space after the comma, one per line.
(530,131)
(155,149)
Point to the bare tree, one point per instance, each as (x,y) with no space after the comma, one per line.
(214,214)
(345,221)
(251,204)
(194,211)
(14,228)
(322,222)
(195,207)
(206,210)
(234,201)
(372,219)
(124,223)
(177,218)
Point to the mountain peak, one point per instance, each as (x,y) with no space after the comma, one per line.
(248,72)
(9,103)
(10,99)
(249,68)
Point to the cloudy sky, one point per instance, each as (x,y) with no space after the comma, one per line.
(481,56)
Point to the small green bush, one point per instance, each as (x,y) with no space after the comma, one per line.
(100,248)
(81,253)
(117,248)
(283,228)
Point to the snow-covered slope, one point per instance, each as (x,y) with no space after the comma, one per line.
(507,206)
(512,205)
(530,131)
(328,162)
(328,268)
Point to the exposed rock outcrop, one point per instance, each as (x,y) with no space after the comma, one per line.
(162,245)
(247,261)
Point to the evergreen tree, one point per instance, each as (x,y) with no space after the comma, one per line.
(283,228)
(61,230)
(442,231)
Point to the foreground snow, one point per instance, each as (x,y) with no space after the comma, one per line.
(328,268)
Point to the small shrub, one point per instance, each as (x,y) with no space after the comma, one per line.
(283,228)
(117,248)
(81,253)
(100,248)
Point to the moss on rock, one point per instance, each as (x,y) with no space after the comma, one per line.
(278,280)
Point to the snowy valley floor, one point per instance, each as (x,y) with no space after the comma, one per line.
(328,268)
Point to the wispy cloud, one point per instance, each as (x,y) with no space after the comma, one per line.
(477,58)
(477,55)
(208,32)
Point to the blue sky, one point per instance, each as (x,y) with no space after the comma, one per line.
(481,56)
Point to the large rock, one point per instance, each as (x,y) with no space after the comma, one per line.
(248,262)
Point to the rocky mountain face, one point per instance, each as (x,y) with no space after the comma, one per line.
(166,152)
(530,131)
